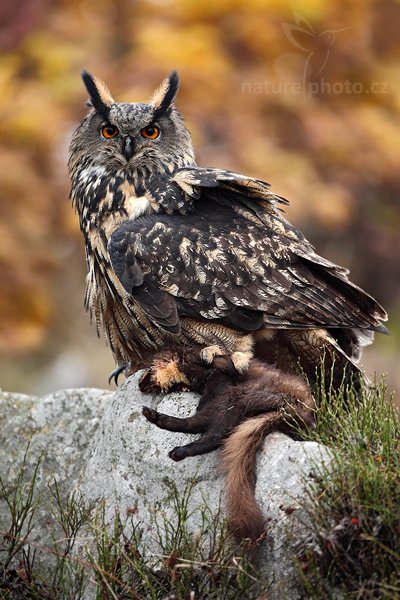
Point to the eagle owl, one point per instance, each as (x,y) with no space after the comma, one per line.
(178,253)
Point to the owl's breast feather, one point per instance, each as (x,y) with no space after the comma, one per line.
(137,206)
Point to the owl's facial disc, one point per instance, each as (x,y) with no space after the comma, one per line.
(137,137)
(151,132)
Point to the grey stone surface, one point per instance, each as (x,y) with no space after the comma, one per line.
(100,444)
(283,467)
(60,427)
(61,424)
(130,463)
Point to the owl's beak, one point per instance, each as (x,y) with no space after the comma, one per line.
(127,147)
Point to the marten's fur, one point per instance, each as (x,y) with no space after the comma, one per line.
(236,411)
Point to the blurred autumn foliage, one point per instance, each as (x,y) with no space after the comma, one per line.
(304,94)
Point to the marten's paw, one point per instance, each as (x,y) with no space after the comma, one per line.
(178,453)
(159,419)
(150,414)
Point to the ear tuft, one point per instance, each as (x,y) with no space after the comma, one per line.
(100,96)
(165,95)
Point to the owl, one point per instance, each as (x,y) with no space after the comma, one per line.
(181,254)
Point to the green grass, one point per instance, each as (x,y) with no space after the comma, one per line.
(200,564)
(203,564)
(351,541)
(353,505)
(24,565)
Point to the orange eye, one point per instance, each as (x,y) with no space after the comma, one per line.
(151,132)
(109,131)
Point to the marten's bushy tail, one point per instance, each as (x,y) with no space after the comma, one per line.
(239,460)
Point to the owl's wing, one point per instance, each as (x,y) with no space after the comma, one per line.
(177,192)
(193,181)
(218,264)
(160,307)
(189,187)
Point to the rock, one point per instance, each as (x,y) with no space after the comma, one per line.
(99,443)
(130,464)
(58,426)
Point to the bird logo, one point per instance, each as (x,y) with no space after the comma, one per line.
(317,45)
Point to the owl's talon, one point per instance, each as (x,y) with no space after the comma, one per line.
(241,361)
(116,373)
(208,354)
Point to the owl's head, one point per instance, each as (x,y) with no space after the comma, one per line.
(132,137)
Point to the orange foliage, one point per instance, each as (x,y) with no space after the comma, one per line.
(304,95)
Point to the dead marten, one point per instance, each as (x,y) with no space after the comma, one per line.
(235,411)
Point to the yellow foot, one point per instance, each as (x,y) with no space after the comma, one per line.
(208,354)
(241,361)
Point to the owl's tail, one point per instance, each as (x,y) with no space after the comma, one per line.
(316,352)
